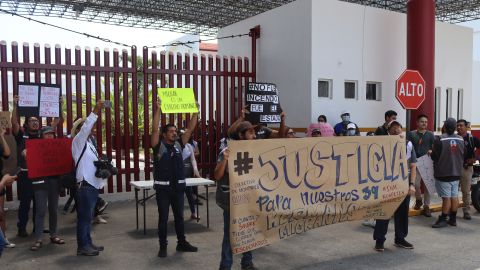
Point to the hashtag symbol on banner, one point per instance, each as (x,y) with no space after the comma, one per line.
(243,164)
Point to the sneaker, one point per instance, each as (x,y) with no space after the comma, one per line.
(194,217)
(379,246)
(467,216)
(418,204)
(102,205)
(186,247)
(426,211)
(99,220)
(98,248)
(369,223)
(441,223)
(249,267)
(9,244)
(403,244)
(22,233)
(87,252)
(162,253)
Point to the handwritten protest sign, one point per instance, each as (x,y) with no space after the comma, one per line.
(49,102)
(263,103)
(178,100)
(47,157)
(286,187)
(5,120)
(425,168)
(39,99)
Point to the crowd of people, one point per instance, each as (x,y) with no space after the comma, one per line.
(174,160)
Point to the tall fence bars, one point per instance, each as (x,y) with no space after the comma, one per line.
(131,81)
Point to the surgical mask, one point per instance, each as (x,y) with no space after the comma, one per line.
(345,118)
(351,132)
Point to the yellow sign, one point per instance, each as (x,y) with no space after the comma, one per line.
(178,100)
(283,187)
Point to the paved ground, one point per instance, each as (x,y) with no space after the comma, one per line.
(342,246)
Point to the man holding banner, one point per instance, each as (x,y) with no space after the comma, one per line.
(244,131)
(401,214)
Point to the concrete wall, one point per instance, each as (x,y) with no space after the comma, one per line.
(348,42)
(283,54)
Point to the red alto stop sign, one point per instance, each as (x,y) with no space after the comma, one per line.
(410,89)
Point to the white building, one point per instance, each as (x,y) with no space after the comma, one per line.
(327,56)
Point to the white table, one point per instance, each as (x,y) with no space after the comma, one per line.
(147,185)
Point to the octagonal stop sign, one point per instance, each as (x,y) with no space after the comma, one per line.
(410,89)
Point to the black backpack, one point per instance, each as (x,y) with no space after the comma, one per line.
(69,180)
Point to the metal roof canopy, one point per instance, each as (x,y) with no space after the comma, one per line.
(202,17)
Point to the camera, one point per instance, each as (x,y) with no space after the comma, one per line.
(105,169)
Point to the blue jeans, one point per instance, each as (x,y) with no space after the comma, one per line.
(3,242)
(227,256)
(166,197)
(86,199)
(25,189)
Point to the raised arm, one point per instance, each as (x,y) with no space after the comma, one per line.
(6,148)
(155,137)
(15,119)
(58,120)
(190,127)
(233,127)
(81,138)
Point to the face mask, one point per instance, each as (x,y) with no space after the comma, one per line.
(351,132)
(345,118)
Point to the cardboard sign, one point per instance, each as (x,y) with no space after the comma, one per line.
(289,186)
(425,168)
(263,103)
(178,100)
(48,157)
(5,119)
(39,99)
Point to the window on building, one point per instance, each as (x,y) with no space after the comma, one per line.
(351,89)
(325,88)
(460,104)
(374,91)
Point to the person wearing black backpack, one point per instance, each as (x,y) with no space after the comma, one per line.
(471,144)
(168,173)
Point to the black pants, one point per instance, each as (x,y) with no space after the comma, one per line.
(25,189)
(401,223)
(166,197)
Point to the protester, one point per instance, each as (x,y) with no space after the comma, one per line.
(261,131)
(471,145)
(448,157)
(190,169)
(24,185)
(341,129)
(4,182)
(244,131)
(422,140)
(169,179)
(84,153)
(47,191)
(4,153)
(394,128)
(316,132)
(322,119)
(322,130)
(290,133)
(389,117)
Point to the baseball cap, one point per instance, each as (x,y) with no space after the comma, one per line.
(450,123)
(351,126)
(46,130)
(345,112)
(244,126)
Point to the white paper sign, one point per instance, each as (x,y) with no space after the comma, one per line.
(425,168)
(28,96)
(49,102)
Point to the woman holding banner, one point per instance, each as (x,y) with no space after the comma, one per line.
(46,192)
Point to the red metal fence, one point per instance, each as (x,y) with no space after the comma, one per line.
(131,83)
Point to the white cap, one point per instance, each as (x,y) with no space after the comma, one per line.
(351,126)
(345,112)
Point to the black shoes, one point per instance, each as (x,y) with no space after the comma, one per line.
(162,253)
(249,267)
(402,243)
(441,223)
(186,247)
(22,233)
(98,248)
(379,246)
(87,252)
(467,216)
(418,204)
(426,211)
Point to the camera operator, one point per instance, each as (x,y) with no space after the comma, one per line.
(170,179)
(85,154)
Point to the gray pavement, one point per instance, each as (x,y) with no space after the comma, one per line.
(341,246)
